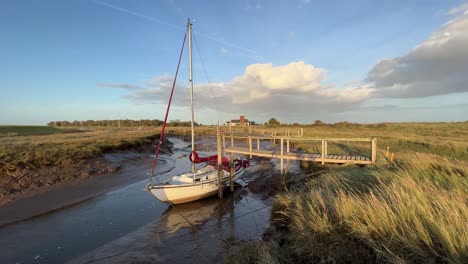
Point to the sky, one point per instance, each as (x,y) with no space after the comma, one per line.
(298,61)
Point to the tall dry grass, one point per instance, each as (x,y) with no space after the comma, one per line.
(413,212)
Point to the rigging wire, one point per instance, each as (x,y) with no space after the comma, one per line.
(161,137)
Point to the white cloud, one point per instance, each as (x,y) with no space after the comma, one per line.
(435,67)
(459,9)
(263,88)
(224,50)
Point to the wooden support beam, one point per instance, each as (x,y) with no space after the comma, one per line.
(224,145)
(250,146)
(326,147)
(282,157)
(374,151)
(220,164)
(258,144)
(323,151)
(231,175)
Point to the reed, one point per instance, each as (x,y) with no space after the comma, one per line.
(412,212)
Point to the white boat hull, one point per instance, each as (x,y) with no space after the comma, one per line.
(183,188)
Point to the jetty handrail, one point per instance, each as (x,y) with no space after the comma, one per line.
(295,138)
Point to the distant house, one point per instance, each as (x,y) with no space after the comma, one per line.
(239,122)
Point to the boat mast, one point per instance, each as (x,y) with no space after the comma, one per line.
(189,28)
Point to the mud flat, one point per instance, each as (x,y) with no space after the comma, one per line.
(55,197)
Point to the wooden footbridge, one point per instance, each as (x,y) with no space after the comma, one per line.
(280,147)
(251,145)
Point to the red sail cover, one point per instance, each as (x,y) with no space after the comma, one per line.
(213,160)
(197,159)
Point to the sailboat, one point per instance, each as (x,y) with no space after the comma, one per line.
(197,183)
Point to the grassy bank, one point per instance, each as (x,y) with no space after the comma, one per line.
(30,152)
(29,130)
(411,211)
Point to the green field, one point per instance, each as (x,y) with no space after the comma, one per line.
(28,130)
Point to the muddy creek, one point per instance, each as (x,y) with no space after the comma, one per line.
(128,224)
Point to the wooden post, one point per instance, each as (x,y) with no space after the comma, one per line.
(224,145)
(220,164)
(258,143)
(302,132)
(231,176)
(250,146)
(326,147)
(323,152)
(281,159)
(374,150)
(288,160)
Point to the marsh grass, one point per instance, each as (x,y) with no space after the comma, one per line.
(412,210)
(31,152)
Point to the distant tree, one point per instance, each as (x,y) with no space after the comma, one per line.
(319,123)
(273,122)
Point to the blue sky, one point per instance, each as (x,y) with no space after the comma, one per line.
(298,61)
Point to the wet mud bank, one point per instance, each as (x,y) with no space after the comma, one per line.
(21,181)
(82,182)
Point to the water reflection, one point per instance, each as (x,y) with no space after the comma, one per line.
(194,232)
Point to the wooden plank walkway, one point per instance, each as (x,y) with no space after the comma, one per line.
(316,157)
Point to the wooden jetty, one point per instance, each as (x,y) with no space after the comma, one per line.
(284,151)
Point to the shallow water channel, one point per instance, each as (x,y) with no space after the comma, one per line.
(129,224)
